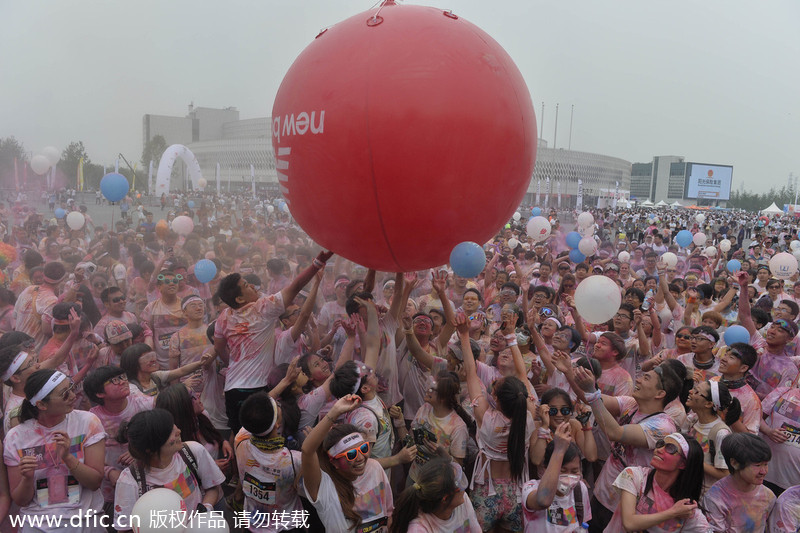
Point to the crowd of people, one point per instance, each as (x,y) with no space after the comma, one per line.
(297,391)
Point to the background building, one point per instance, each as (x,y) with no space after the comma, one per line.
(670,178)
(218,136)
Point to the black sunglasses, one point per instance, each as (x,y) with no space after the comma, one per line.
(564,411)
(683,336)
(118,299)
(670,448)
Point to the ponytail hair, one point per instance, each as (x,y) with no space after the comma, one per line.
(448,387)
(435,488)
(512,400)
(730,406)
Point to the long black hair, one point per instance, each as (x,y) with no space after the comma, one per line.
(435,488)
(512,401)
(689,482)
(146,432)
(177,400)
(344,487)
(34,384)
(448,387)
(291,411)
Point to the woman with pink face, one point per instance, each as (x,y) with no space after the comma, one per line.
(141,366)
(662,497)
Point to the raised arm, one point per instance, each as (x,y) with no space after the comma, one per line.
(308,307)
(439,282)
(290,291)
(399,306)
(576,316)
(545,493)
(372,340)
(476,394)
(657,337)
(745,318)
(414,347)
(644,341)
(63,351)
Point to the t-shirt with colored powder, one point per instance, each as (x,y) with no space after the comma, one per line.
(249,332)
(267,479)
(32,304)
(414,378)
(163,320)
(187,345)
(100,327)
(751,406)
(785,515)
(463,520)
(373,501)
(111,423)
(560,517)
(782,411)
(176,476)
(372,419)
(702,432)
(729,509)
(655,426)
(450,431)
(634,480)
(688,361)
(615,381)
(56,491)
(771,370)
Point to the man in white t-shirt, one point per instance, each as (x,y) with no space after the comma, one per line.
(244,334)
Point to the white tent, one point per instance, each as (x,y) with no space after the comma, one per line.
(662,203)
(772,210)
(647,203)
(676,204)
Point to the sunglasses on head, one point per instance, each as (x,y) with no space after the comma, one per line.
(564,411)
(670,448)
(546,311)
(167,281)
(353,453)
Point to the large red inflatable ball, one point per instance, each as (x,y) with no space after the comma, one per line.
(401,132)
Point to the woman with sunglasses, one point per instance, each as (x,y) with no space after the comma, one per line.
(164,315)
(350,491)
(711,401)
(55,456)
(163,460)
(557,408)
(663,497)
(436,502)
(683,345)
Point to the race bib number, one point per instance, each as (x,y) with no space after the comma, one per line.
(261,491)
(794,435)
(374,526)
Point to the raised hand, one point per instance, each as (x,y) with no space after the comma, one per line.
(439,281)
(584,379)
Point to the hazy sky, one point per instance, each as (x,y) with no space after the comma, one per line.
(714,81)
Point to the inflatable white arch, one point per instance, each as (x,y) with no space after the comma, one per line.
(168,159)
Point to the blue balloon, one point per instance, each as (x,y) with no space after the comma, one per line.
(467,259)
(205,270)
(60,213)
(684,238)
(736,334)
(114,187)
(573,238)
(734,265)
(536,211)
(576,256)
(190,203)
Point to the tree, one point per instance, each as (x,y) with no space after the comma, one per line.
(69,162)
(10,148)
(153,150)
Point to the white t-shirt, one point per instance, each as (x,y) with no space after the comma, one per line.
(310,405)
(782,410)
(250,335)
(463,520)
(176,476)
(450,431)
(373,501)
(701,433)
(560,517)
(32,439)
(372,418)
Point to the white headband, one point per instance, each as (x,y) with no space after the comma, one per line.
(715,394)
(48,387)
(709,337)
(681,442)
(192,299)
(358,383)
(350,441)
(558,323)
(15,364)
(274,419)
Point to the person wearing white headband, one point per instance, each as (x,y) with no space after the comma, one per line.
(662,497)
(707,400)
(342,506)
(71,448)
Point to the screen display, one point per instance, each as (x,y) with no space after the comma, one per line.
(710,182)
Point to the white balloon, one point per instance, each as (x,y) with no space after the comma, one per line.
(587,246)
(40,164)
(182,225)
(670,259)
(538,228)
(588,231)
(75,220)
(725,245)
(699,239)
(783,265)
(700,218)
(516,217)
(585,219)
(794,245)
(624,256)
(796,254)
(202,182)
(160,501)
(597,299)
(52,154)
(513,243)
(710,252)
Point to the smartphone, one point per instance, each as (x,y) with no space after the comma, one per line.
(420,434)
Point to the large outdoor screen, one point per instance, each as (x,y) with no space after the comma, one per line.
(708,182)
